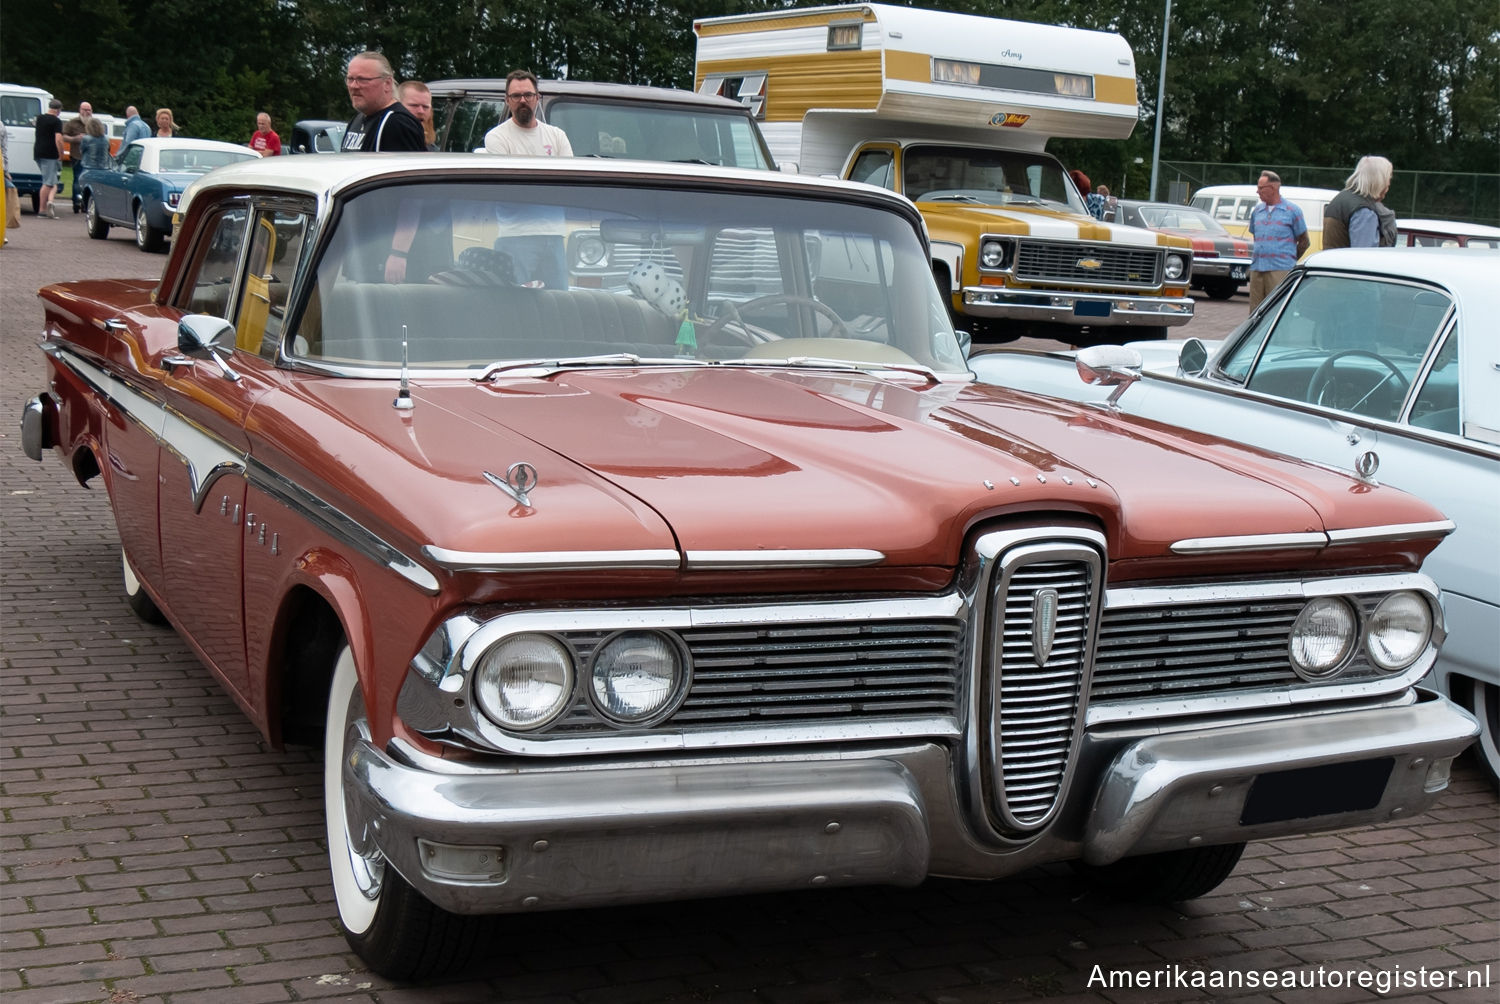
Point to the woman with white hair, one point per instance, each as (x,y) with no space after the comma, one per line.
(1356,218)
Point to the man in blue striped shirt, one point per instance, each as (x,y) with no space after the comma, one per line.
(1280,235)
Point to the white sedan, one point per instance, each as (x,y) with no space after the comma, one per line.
(1377,361)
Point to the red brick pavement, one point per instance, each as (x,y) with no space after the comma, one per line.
(155,850)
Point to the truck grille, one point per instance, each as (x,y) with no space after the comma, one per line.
(1058,263)
(1037,705)
(780,674)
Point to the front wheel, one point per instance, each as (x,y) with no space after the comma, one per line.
(98,229)
(1484,701)
(147,237)
(393,928)
(1167,877)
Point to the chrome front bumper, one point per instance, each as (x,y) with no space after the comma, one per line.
(1094,309)
(488,841)
(1219,268)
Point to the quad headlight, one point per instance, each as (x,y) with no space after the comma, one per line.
(1398,631)
(524,681)
(636,676)
(1322,637)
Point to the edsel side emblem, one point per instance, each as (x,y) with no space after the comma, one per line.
(1090,263)
(1043,624)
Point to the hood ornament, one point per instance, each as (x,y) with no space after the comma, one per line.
(520,478)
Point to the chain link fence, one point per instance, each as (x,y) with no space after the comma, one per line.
(1438,195)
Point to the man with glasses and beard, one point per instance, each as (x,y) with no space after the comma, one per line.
(523,134)
(382,124)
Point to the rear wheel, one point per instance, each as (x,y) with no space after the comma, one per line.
(147,237)
(1168,877)
(144,606)
(1220,289)
(394,929)
(98,229)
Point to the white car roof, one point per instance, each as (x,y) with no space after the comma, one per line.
(1287,191)
(326,176)
(1449,227)
(181,143)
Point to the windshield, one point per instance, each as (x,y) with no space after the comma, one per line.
(1180,218)
(989,177)
(473,274)
(637,130)
(199,161)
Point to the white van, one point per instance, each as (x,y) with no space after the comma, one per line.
(1231,205)
(19,107)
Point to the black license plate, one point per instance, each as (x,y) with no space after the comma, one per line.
(1317,791)
(1237,272)
(1088,308)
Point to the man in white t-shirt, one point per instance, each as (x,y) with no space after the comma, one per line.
(523,134)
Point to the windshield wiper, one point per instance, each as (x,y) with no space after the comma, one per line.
(953,198)
(819,362)
(580,362)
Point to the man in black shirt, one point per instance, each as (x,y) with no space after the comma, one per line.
(382,123)
(47,152)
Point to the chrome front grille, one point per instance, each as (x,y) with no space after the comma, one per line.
(1109,265)
(781,674)
(1037,702)
(1189,650)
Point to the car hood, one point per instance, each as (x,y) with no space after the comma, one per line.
(1045,222)
(711,460)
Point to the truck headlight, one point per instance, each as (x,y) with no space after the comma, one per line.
(1322,638)
(524,681)
(1176,267)
(1398,631)
(992,254)
(637,675)
(590,250)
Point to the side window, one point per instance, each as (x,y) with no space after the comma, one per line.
(132,161)
(1436,405)
(276,239)
(874,167)
(472,118)
(1242,210)
(212,280)
(18,110)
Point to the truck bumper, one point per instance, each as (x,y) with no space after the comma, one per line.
(1093,309)
(491,841)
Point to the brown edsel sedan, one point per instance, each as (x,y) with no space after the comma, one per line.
(628,532)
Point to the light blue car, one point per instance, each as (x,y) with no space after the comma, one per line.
(1383,362)
(143,185)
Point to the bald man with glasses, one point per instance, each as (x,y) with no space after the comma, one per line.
(523,134)
(382,124)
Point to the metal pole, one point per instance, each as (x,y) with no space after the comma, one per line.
(1161,98)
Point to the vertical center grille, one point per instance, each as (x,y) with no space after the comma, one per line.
(1045,609)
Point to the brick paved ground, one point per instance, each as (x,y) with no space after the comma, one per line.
(155,850)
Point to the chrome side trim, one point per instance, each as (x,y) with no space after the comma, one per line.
(140,407)
(851,557)
(1312,539)
(1250,542)
(549,561)
(206,456)
(340,525)
(1396,531)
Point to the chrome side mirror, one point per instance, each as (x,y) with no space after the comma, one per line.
(1193,359)
(1109,366)
(203,336)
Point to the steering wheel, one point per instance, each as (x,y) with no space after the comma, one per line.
(1322,378)
(733,313)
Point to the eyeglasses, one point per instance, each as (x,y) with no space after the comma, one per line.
(528,96)
(362,81)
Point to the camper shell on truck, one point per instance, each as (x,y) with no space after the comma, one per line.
(955,111)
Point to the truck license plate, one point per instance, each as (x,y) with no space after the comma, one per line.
(1089,308)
